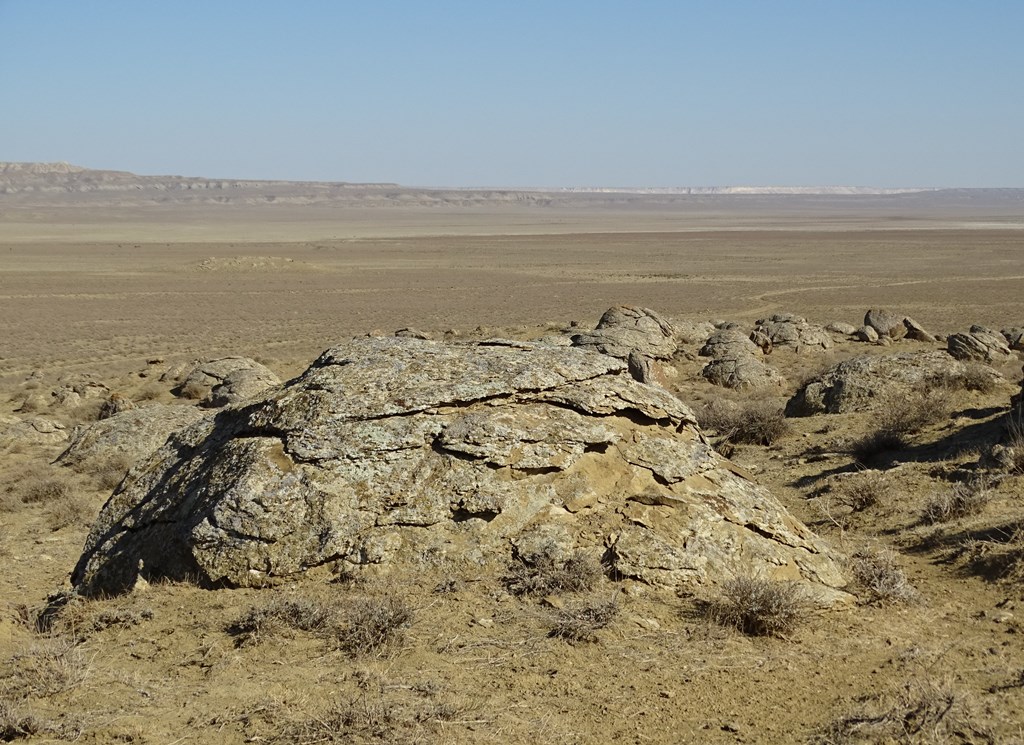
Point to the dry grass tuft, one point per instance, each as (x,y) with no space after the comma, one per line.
(374,625)
(545,575)
(861,491)
(108,472)
(922,711)
(899,417)
(759,607)
(192,391)
(756,422)
(878,572)
(39,485)
(956,501)
(579,623)
(280,614)
(49,668)
(973,376)
(69,511)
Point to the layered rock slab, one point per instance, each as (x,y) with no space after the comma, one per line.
(392,451)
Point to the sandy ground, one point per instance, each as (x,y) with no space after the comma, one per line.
(477,664)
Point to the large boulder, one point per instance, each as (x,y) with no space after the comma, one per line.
(625,328)
(788,330)
(130,435)
(979,343)
(742,372)
(860,383)
(402,450)
(197,380)
(886,323)
(240,385)
(33,430)
(729,343)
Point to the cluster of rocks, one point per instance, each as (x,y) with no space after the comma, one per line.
(405,450)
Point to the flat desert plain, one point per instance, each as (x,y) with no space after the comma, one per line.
(107,297)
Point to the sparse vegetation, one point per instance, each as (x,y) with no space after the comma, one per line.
(922,711)
(268,619)
(48,668)
(375,624)
(958,500)
(759,607)
(879,574)
(757,422)
(544,574)
(192,390)
(579,623)
(861,491)
(44,485)
(68,511)
(973,376)
(898,417)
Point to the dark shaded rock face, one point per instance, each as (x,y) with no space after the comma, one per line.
(389,451)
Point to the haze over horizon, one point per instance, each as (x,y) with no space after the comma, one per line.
(654,94)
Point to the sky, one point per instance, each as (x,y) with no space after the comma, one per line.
(637,93)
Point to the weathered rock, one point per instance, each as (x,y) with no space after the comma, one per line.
(979,343)
(116,404)
(742,371)
(1014,338)
(693,332)
(133,434)
(241,385)
(916,331)
(868,334)
(412,333)
(886,323)
(645,370)
(625,328)
(788,330)
(838,327)
(393,450)
(35,430)
(214,372)
(729,344)
(763,341)
(858,384)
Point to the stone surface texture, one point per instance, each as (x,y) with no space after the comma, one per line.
(402,450)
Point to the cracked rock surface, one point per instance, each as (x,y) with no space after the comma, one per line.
(400,450)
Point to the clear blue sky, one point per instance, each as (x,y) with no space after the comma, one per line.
(522,92)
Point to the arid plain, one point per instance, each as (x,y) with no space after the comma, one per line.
(111,288)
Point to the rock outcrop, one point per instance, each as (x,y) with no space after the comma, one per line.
(788,330)
(858,384)
(886,323)
(33,430)
(979,343)
(736,361)
(625,328)
(197,379)
(132,435)
(402,450)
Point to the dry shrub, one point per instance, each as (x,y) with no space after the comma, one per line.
(280,614)
(956,501)
(47,669)
(16,724)
(192,390)
(756,422)
(897,417)
(44,485)
(5,537)
(544,574)
(69,511)
(861,491)
(109,472)
(579,623)
(374,625)
(878,573)
(999,559)
(150,392)
(972,376)
(921,711)
(759,607)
